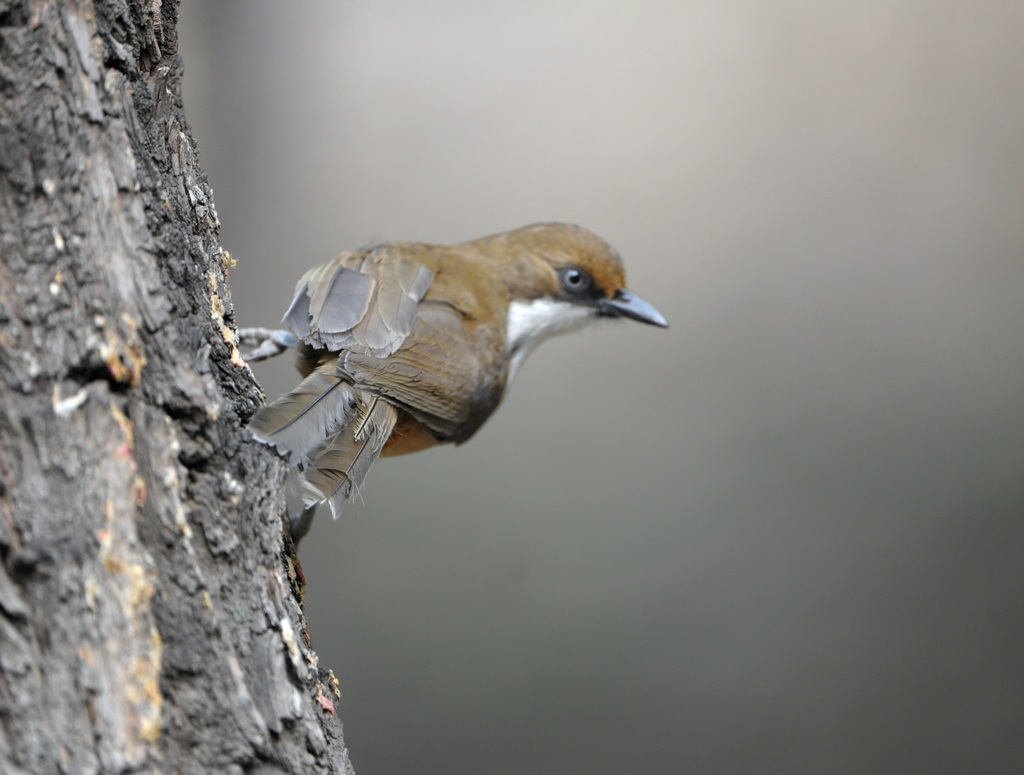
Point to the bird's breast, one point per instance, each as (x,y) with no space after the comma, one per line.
(408,436)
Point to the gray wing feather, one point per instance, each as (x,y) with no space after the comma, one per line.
(402,284)
(298,421)
(339,304)
(366,302)
(338,466)
(297,316)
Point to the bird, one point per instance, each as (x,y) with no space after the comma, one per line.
(403,346)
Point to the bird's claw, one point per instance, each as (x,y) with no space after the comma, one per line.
(265,343)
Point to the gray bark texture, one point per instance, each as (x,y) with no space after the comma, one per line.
(150,614)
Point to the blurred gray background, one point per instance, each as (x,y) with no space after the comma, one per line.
(785,535)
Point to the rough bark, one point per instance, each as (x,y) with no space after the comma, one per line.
(148,611)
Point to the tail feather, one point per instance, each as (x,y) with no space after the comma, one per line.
(337,467)
(297,422)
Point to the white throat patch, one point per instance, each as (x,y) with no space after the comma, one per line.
(531,322)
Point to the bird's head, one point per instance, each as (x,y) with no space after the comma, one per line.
(560,277)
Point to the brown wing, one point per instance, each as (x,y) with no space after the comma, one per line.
(364,302)
(429,358)
(443,375)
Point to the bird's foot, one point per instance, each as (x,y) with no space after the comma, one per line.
(265,343)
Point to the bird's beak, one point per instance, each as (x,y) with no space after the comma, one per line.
(627,304)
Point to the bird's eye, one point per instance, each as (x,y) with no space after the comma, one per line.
(574,280)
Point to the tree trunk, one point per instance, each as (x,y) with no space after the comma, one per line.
(149,619)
